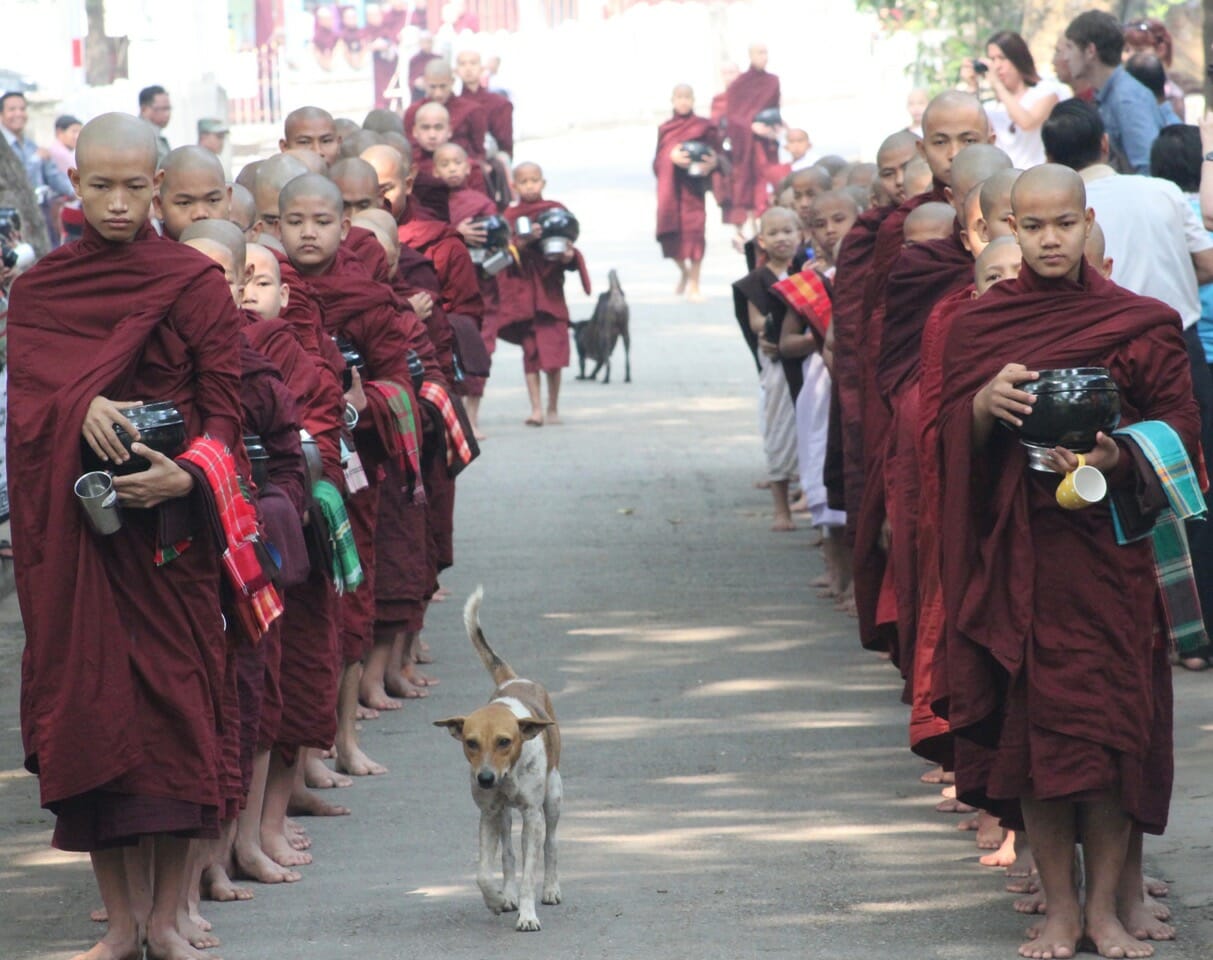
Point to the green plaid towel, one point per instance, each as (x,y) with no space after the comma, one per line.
(1164,449)
(347,568)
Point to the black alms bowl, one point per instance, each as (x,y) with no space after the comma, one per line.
(497,229)
(1072,406)
(160,427)
(697,150)
(770,116)
(558,222)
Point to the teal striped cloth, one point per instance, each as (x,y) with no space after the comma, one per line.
(1164,449)
(347,568)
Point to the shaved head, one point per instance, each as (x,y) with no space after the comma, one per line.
(431,126)
(311,160)
(247,177)
(274,174)
(818,177)
(930,221)
(223,232)
(191,160)
(468,66)
(358,183)
(213,249)
(384,157)
(1050,178)
(892,162)
(345,126)
(1051,220)
(383,226)
(306,116)
(683,90)
(1096,245)
(311,185)
(384,121)
(117,133)
(900,142)
(192,187)
(528,167)
(229,253)
(438,81)
(944,106)
(1000,260)
(996,190)
(952,122)
(356,142)
(244,209)
(450,150)
(262,260)
(972,167)
(438,68)
(310,128)
(861,175)
(399,142)
(759,56)
(432,111)
(392,171)
(917,177)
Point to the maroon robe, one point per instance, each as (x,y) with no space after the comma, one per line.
(468,125)
(499,113)
(467,203)
(722,176)
(748,95)
(417,64)
(1053,627)
(423,163)
(534,313)
(681,206)
(120,749)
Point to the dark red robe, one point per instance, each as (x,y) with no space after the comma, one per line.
(123,663)
(467,203)
(748,95)
(1053,628)
(534,314)
(469,124)
(722,176)
(681,203)
(499,113)
(423,163)
(417,64)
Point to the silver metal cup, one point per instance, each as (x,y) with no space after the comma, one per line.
(555,247)
(99,500)
(522,226)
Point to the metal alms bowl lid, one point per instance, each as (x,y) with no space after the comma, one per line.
(159,414)
(697,150)
(558,222)
(1066,379)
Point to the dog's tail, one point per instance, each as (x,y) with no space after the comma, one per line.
(497,668)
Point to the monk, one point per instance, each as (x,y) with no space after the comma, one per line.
(971,224)
(681,197)
(243,211)
(432,129)
(931,221)
(123,660)
(313,161)
(534,313)
(1078,771)
(193,188)
(995,202)
(274,174)
(1000,260)
(467,117)
(352,144)
(310,128)
(383,121)
(754,145)
(830,218)
(807,186)
(797,144)
(722,178)
(498,111)
(247,174)
(417,64)
(918,177)
(358,183)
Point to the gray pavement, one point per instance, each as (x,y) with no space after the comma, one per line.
(736,777)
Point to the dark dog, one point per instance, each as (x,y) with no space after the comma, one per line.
(596,337)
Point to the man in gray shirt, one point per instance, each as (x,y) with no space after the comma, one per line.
(39,166)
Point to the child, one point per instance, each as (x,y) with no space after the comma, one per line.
(534,314)
(760,315)
(931,221)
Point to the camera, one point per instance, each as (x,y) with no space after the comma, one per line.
(13,252)
(980,68)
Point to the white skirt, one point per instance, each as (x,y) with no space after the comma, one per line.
(812,436)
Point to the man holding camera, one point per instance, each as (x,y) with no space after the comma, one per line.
(45,177)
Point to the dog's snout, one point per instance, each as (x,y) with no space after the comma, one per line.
(486,778)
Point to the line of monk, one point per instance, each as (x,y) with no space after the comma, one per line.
(895,313)
(186,675)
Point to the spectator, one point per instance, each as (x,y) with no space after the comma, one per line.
(63,149)
(1092,48)
(212,132)
(156,108)
(1152,36)
(1024,100)
(44,176)
(1148,70)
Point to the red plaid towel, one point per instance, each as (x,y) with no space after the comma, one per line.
(406,433)
(240,556)
(805,293)
(457,442)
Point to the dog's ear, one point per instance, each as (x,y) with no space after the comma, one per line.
(454,726)
(531,727)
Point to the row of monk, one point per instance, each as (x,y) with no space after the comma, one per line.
(185,675)
(1032,638)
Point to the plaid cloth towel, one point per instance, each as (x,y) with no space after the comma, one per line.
(347,567)
(456,440)
(805,293)
(241,558)
(400,404)
(1165,451)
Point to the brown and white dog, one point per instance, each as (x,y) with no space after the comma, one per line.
(513,746)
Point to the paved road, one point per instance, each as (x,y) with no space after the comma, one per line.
(736,778)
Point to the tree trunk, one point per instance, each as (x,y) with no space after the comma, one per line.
(15,191)
(1044,21)
(1206,7)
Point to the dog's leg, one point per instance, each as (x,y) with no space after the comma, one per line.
(607,377)
(551,816)
(627,357)
(490,825)
(510,887)
(532,827)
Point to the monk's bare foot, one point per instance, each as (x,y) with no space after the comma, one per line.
(253,864)
(681,288)
(168,944)
(991,836)
(1140,920)
(783,524)
(319,777)
(304,803)
(479,434)
(363,713)
(275,846)
(100,915)
(195,931)
(114,948)
(196,918)
(552,418)
(1156,887)
(398,686)
(534,420)
(418,679)
(296,835)
(1111,939)
(441,594)
(762,484)
(800,505)
(1057,939)
(218,886)
(1032,904)
(969,824)
(1158,909)
(694,296)
(376,697)
(1028,884)
(951,805)
(358,764)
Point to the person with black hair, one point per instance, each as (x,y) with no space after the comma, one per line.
(1092,47)
(1024,98)
(156,108)
(1148,70)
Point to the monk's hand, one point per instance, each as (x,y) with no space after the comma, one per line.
(98,428)
(1001,398)
(764,130)
(164,480)
(536,232)
(710,162)
(1104,456)
(355,395)
(568,255)
(680,157)
(769,349)
(422,304)
(474,234)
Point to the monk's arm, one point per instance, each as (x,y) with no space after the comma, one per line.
(795,340)
(1000,399)
(210,324)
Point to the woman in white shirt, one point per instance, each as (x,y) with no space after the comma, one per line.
(1024,101)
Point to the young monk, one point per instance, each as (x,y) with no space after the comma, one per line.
(995,200)
(534,314)
(755,146)
(274,174)
(313,129)
(918,177)
(468,122)
(999,260)
(193,188)
(432,129)
(931,221)
(119,759)
(830,218)
(243,212)
(760,315)
(499,111)
(681,198)
(807,185)
(358,183)
(971,223)
(1078,771)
